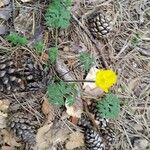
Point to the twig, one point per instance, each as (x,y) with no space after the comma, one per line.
(91,38)
(79,81)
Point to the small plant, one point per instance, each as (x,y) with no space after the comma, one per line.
(87,60)
(39,47)
(16,39)
(61,93)
(109,107)
(58,15)
(53,54)
(136,39)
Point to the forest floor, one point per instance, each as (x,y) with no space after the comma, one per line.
(126,50)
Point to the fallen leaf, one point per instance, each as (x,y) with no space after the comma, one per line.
(3,117)
(3,29)
(24,25)
(49,110)
(4,105)
(9,139)
(74,120)
(24,1)
(90,88)
(4,2)
(63,70)
(50,135)
(44,57)
(8,148)
(76,139)
(47,107)
(5,13)
(77,108)
(74,111)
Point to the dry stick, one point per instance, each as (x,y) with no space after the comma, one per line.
(79,81)
(90,36)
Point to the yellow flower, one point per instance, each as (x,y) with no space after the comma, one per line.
(105,79)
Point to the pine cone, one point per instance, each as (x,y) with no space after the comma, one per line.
(24,127)
(93,141)
(22,73)
(108,137)
(99,25)
(105,127)
(84,122)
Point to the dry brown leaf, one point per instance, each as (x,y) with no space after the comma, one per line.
(9,139)
(4,105)
(77,108)
(90,88)
(24,25)
(24,1)
(4,2)
(63,70)
(76,140)
(49,110)
(8,148)
(44,57)
(3,117)
(47,107)
(49,135)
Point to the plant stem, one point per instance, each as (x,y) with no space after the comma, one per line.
(79,81)
(56,37)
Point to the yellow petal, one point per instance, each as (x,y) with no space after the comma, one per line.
(105,79)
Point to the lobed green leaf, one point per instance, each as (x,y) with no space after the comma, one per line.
(109,107)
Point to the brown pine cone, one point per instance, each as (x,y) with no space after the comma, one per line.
(24,126)
(104,126)
(22,72)
(99,25)
(93,141)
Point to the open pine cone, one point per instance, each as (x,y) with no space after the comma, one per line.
(24,126)
(22,72)
(99,25)
(101,138)
(93,140)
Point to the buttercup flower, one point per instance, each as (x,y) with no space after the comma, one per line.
(105,79)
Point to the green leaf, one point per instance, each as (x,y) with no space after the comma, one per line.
(58,15)
(87,60)
(61,93)
(67,2)
(55,95)
(136,39)
(70,99)
(39,47)
(109,107)
(16,39)
(53,54)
